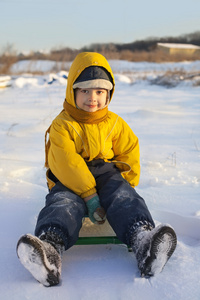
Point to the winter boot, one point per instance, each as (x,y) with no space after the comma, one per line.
(153,248)
(40,258)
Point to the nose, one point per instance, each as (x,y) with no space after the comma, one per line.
(92,96)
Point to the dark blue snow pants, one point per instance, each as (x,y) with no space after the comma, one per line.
(64,210)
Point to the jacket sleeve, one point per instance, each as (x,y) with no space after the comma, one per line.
(67,165)
(126,150)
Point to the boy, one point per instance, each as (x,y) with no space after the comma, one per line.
(92,158)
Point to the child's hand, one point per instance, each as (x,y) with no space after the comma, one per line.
(96,213)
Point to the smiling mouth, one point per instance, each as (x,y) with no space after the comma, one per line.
(91,106)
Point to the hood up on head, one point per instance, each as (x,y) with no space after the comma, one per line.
(81,62)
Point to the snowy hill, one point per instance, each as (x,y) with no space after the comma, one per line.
(167,122)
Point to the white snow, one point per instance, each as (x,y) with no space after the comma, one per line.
(167,122)
(37,66)
(5,81)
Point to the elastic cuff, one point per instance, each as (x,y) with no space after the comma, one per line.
(88,193)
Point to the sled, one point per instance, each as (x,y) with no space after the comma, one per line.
(92,234)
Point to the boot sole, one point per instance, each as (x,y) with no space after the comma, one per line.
(31,253)
(162,247)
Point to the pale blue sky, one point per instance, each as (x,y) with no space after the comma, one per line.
(44,24)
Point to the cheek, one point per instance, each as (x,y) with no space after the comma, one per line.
(78,100)
(102,103)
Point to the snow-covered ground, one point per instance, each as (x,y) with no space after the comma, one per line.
(167,122)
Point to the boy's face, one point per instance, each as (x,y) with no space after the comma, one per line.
(91,100)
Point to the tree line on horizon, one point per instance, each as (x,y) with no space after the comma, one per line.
(123,51)
(140,50)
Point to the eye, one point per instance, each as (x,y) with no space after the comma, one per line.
(84,91)
(99,92)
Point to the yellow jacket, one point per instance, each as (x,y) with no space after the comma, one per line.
(73,143)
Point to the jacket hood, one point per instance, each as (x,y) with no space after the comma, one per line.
(80,63)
